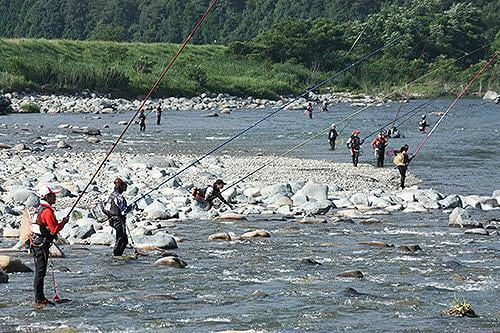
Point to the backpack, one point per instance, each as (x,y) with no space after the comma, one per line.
(399,159)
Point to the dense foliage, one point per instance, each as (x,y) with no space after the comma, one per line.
(170,20)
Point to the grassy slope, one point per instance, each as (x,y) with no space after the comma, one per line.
(62,65)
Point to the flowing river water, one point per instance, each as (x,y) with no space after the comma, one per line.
(268,284)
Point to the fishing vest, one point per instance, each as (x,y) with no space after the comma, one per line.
(40,234)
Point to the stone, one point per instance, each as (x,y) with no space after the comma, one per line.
(256,233)
(9,232)
(252,192)
(87,131)
(451,201)
(102,238)
(20,147)
(63,145)
(343,203)
(359,199)
(171,261)
(12,265)
(375,243)
(490,95)
(476,231)
(158,241)
(4,277)
(407,196)
(316,191)
(370,221)
(271,190)
(222,236)
(93,140)
(56,252)
(410,248)
(230,217)
(351,213)
(351,274)
(310,261)
(461,218)
(283,201)
(415,207)
(317,207)
(83,231)
(471,201)
(312,220)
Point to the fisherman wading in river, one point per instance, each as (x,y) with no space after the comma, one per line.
(332,136)
(44,231)
(117,209)
(354,144)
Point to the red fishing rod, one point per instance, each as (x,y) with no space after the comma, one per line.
(462,93)
(146,98)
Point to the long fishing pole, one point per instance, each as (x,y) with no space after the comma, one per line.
(143,103)
(349,117)
(462,93)
(305,93)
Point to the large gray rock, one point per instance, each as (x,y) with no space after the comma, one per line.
(317,207)
(157,241)
(102,238)
(5,107)
(316,191)
(271,190)
(20,147)
(359,199)
(461,218)
(12,265)
(471,201)
(476,231)
(83,231)
(451,201)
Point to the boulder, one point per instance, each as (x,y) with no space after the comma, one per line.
(471,201)
(283,201)
(351,213)
(271,190)
(171,261)
(415,207)
(451,201)
(9,232)
(83,231)
(252,192)
(461,218)
(20,147)
(351,274)
(158,241)
(256,233)
(490,95)
(316,191)
(359,199)
(311,220)
(300,200)
(230,217)
(102,238)
(4,278)
(317,207)
(63,145)
(93,140)
(343,203)
(406,196)
(12,265)
(476,231)
(222,236)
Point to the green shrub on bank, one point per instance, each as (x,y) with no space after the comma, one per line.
(30,108)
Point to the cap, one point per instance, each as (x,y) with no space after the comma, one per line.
(119,182)
(219,181)
(334,125)
(355,132)
(45,190)
(423,116)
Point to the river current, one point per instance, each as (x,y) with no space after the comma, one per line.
(266,284)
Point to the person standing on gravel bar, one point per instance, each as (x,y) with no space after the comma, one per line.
(206,196)
(379,144)
(142,121)
(309,111)
(44,231)
(354,144)
(332,136)
(158,115)
(402,160)
(116,208)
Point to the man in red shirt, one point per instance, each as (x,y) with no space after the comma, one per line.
(43,232)
(379,144)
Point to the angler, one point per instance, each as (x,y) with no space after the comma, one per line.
(401,161)
(309,111)
(205,197)
(422,125)
(354,144)
(158,114)
(117,209)
(379,144)
(332,136)
(142,121)
(393,133)
(44,231)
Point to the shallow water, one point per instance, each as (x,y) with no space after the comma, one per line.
(462,157)
(405,291)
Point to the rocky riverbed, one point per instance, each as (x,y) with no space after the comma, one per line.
(92,103)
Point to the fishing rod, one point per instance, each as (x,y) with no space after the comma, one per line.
(350,117)
(460,95)
(284,106)
(143,103)
(465,55)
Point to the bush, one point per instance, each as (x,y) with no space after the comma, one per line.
(196,73)
(30,108)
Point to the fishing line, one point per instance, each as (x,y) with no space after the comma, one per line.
(462,93)
(305,93)
(146,98)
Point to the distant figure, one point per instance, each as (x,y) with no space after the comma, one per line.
(379,144)
(332,136)
(142,121)
(324,107)
(309,111)
(402,160)
(354,144)
(205,197)
(422,125)
(394,133)
(158,115)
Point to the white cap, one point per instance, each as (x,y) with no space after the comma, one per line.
(44,190)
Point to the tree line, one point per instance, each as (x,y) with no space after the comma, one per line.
(171,20)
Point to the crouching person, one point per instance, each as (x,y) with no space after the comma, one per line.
(205,197)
